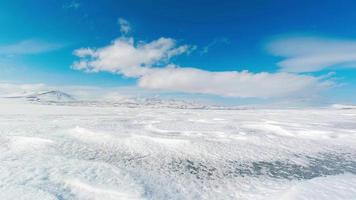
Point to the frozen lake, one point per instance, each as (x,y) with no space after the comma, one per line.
(79,152)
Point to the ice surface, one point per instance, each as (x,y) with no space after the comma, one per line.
(81,152)
(330,187)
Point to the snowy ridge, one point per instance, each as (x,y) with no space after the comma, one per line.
(136,102)
(56,97)
(44,96)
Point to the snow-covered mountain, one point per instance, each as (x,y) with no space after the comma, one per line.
(62,98)
(58,97)
(136,102)
(44,96)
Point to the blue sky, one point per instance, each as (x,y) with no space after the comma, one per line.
(309,42)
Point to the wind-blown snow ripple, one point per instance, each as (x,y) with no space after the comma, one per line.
(63,152)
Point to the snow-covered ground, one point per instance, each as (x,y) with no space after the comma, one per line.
(89,152)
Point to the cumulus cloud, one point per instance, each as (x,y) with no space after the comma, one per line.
(151,64)
(124,56)
(310,54)
(28,47)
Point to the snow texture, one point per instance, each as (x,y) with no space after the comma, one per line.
(96,153)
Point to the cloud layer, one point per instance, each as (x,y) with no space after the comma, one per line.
(151,64)
(310,54)
(231,83)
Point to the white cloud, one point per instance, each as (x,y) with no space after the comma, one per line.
(125,26)
(151,64)
(28,47)
(232,83)
(124,56)
(310,54)
(140,60)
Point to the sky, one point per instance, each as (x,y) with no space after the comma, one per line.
(239,51)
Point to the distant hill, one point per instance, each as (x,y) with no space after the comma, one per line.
(61,98)
(45,96)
